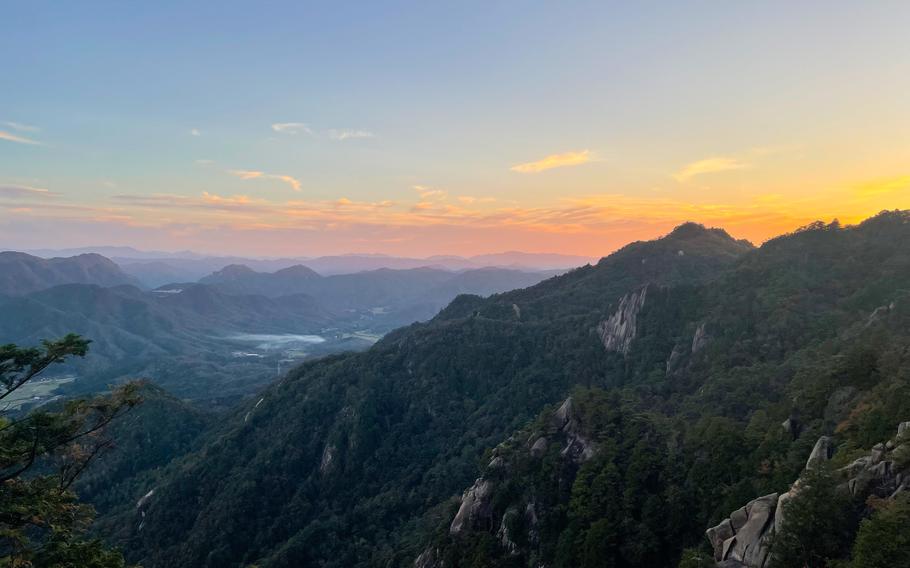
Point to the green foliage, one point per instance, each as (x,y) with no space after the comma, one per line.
(696,558)
(41,455)
(818,526)
(883,540)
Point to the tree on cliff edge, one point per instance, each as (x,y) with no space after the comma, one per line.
(42,523)
(818,525)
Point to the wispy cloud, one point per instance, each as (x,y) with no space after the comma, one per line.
(346,134)
(292,128)
(470,199)
(554,161)
(18,139)
(22,127)
(24,192)
(195,132)
(430,193)
(708,166)
(255,174)
(207,200)
(247,174)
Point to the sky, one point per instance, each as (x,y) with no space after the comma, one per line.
(422,128)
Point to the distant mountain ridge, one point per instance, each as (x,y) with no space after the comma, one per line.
(395,297)
(22,273)
(155,268)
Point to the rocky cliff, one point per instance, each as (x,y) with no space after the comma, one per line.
(562,436)
(742,540)
(618,331)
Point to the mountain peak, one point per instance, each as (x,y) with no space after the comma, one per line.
(233,271)
(298,271)
(692,233)
(23,273)
(691,230)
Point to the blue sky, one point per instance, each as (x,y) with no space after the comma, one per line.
(160,122)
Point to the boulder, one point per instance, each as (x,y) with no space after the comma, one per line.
(821,452)
(743,538)
(476,507)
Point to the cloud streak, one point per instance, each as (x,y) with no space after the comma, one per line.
(22,127)
(10,137)
(255,174)
(708,166)
(563,160)
(292,128)
(430,193)
(24,192)
(348,134)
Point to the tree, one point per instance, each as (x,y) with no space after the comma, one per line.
(42,523)
(818,525)
(883,540)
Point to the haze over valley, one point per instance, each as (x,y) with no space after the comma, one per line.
(231,332)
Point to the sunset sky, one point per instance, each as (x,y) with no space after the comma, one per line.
(420,128)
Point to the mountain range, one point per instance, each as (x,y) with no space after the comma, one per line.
(155,268)
(607,416)
(389,298)
(228,335)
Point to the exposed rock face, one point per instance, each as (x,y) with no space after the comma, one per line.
(741,541)
(700,339)
(821,452)
(476,508)
(142,507)
(578,448)
(792,426)
(429,558)
(618,331)
(563,430)
(328,457)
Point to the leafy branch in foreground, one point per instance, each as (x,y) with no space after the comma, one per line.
(42,523)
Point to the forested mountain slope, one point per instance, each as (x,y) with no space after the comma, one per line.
(730,387)
(22,273)
(683,358)
(340,460)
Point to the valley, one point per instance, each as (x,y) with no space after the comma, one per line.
(225,337)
